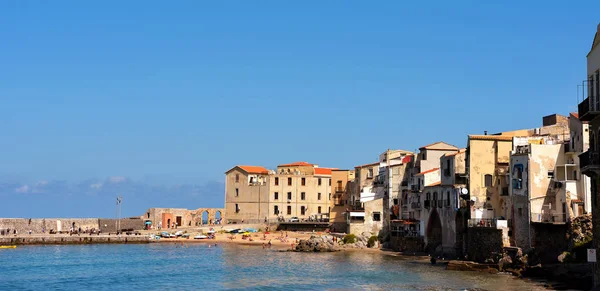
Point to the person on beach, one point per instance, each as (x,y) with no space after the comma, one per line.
(269,243)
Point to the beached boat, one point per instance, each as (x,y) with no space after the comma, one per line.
(8,247)
(200,236)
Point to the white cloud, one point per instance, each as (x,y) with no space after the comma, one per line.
(22,189)
(41,183)
(96,186)
(116,179)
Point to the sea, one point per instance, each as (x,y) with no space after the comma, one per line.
(229,267)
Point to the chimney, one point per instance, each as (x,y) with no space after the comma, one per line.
(485,132)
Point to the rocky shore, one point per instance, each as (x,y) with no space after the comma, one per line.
(330,243)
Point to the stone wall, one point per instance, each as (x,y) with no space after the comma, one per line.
(109,225)
(407,244)
(483,243)
(37,225)
(549,241)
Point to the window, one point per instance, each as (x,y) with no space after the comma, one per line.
(302,210)
(319,181)
(276,181)
(376,216)
(303,181)
(289,210)
(551,174)
(237,192)
(488,180)
(574,174)
(289,195)
(319,209)
(237,178)
(148,214)
(435,196)
(328,209)
(289,181)
(276,194)
(275,209)
(424,155)
(428,196)
(303,196)
(370,174)
(447,198)
(237,208)
(329,182)
(318,196)
(520,211)
(395,201)
(329,196)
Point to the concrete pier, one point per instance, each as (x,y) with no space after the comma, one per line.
(70,240)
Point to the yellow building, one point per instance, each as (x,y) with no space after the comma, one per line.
(340,203)
(255,194)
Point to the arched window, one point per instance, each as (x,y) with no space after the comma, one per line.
(435,196)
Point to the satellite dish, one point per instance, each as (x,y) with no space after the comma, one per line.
(464,191)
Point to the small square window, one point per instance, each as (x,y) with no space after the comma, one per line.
(376,216)
(551,174)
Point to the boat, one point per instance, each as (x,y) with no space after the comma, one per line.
(8,247)
(200,236)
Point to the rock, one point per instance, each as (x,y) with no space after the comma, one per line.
(315,244)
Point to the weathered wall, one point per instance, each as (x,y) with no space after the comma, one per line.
(245,196)
(37,225)
(483,243)
(549,240)
(407,244)
(340,196)
(109,225)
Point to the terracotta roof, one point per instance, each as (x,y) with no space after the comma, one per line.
(253,169)
(324,171)
(575,114)
(428,171)
(432,144)
(456,153)
(295,164)
(490,137)
(367,165)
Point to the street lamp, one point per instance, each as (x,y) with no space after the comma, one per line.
(118,210)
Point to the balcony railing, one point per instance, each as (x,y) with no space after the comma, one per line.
(589,162)
(414,188)
(588,110)
(340,189)
(548,217)
(415,205)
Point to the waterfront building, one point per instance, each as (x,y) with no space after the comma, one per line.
(364,214)
(300,189)
(589,111)
(341,198)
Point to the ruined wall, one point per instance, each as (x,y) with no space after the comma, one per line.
(483,243)
(109,225)
(37,225)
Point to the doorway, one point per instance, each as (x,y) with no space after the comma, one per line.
(178,220)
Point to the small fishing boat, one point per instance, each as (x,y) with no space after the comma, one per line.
(200,237)
(8,247)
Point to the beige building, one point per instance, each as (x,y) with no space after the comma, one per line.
(299,189)
(341,199)
(364,214)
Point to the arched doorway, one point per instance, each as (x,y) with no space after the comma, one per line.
(218,217)
(204,217)
(169,223)
(434,231)
(460,224)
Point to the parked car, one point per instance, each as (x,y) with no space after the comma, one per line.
(294,219)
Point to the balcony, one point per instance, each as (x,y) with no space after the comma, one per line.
(415,188)
(340,189)
(415,205)
(589,162)
(549,217)
(588,110)
(338,202)
(378,182)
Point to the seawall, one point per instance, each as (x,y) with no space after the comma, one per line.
(75,239)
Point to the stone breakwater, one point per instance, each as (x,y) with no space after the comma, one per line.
(71,240)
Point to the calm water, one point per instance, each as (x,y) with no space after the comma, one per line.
(165,267)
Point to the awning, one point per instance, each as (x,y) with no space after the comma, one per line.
(148,222)
(357,214)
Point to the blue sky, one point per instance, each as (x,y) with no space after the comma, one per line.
(175,94)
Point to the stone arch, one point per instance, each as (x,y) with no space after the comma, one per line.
(434,231)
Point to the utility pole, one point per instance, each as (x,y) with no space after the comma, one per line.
(118,210)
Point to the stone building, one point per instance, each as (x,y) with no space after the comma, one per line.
(589,111)
(180,217)
(300,189)
(364,214)
(341,198)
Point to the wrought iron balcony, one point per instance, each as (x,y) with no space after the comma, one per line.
(589,162)
(340,189)
(588,109)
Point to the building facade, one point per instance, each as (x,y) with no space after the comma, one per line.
(341,198)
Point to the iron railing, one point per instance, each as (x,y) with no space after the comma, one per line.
(548,217)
